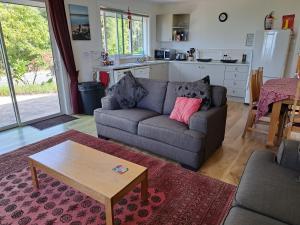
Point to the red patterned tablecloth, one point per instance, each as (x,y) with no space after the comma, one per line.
(273,91)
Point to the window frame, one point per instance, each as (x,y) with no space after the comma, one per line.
(121,14)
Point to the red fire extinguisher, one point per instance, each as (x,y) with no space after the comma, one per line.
(269,21)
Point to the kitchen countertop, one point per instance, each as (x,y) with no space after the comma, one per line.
(130,65)
(213,62)
(153,62)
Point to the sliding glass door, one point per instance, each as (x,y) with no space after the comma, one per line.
(7,108)
(28,88)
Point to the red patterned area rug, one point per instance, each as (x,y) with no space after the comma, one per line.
(177,196)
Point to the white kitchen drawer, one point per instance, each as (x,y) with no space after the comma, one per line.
(235,83)
(235,76)
(236,92)
(243,69)
(142,72)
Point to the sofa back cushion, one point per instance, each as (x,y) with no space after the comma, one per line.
(154,101)
(218,96)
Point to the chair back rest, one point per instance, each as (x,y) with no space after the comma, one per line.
(298,66)
(295,106)
(256,82)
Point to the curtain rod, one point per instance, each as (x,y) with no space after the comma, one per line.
(122,11)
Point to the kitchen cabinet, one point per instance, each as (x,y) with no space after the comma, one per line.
(172,27)
(174,71)
(159,71)
(215,72)
(164,25)
(189,72)
(236,80)
(142,72)
(119,74)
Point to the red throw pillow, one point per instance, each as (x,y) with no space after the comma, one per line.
(184,108)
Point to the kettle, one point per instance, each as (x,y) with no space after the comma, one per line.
(180,56)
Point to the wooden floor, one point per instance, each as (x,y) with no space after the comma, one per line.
(226,164)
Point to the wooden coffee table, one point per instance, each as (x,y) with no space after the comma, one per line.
(90,172)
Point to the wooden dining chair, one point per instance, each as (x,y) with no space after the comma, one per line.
(255,84)
(292,131)
(298,67)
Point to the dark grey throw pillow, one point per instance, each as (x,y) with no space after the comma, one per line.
(128,91)
(197,89)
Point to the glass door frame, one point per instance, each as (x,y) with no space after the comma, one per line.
(19,123)
(10,82)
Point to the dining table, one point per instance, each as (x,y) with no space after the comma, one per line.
(275,93)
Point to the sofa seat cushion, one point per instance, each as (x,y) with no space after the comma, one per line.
(166,130)
(239,216)
(123,119)
(270,189)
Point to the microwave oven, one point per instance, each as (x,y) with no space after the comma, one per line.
(165,54)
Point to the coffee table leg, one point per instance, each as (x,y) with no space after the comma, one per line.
(109,212)
(35,181)
(144,187)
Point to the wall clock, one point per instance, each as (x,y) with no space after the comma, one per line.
(223,17)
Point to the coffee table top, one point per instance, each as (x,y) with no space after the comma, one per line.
(87,166)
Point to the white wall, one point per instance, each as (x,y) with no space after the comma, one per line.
(245,16)
(80,48)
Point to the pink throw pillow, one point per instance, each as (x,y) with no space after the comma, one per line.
(184,108)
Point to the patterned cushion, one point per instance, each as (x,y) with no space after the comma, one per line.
(198,89)
(128,91)
(184,108)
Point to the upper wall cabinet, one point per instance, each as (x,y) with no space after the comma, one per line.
(172,27)
(164,25)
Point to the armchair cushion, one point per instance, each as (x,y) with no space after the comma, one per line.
(269,189)
(240,216)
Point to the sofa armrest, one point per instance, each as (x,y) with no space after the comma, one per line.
(288,155)
(109,103)
(211,123)
(203,121)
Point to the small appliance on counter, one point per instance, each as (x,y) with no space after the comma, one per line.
(159,54)
(170,54)
(191,54)
(165,54)
(227,59)
(181,57)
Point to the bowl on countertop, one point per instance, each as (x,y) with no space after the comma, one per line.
(204,60)
(229,60)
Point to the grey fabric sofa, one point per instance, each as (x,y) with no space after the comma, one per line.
(269,193)
(148,125)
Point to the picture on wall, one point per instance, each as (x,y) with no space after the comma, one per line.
(80,25)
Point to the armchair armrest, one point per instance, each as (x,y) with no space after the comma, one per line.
(211,123)
(288,155)
(109,103)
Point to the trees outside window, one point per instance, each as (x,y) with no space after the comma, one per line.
(26,36)
(118,38)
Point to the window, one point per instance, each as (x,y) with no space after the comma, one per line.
(120,38)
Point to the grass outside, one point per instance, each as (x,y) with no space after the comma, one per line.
(30,89)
